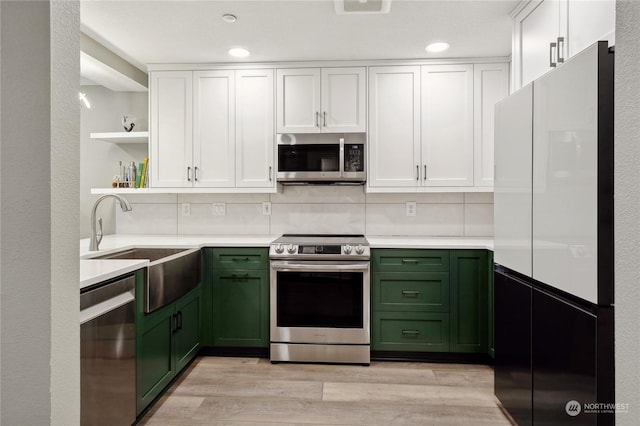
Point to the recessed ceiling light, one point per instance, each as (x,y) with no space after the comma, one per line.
(227,17)
(437,47)
(239,52)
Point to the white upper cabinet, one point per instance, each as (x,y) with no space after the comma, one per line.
(548,32)
(447,125)
(394,127)
(213,129)
(490,85)
(314,100)
(254,128)
(171,114)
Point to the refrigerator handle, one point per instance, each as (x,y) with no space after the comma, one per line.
(552,46)
(560,50)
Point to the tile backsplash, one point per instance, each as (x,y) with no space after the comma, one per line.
(315,209)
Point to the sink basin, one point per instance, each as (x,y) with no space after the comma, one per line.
(171,274)
(152,254)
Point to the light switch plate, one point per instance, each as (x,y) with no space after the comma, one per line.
(219,209)
(186,209)
(411,208)
(266,208)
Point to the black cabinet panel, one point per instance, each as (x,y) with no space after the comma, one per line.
(564,361)
(512,322)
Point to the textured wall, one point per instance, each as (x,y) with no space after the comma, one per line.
(65,157)
(627,207)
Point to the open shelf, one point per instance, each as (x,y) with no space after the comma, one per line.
(122,137)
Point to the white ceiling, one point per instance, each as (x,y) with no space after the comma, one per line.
(150,32)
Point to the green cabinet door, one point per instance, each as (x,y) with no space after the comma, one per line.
(490,303)
(469,301)
(241,308)
(155,362)
(187,335)
(206,316)
(167,339)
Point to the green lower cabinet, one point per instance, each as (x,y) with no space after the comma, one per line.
(167,340)
(490,323)
(469,301)
(410,331)
(240,299)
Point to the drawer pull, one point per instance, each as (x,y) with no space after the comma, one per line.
(240,277)
(410,332)
(412,261)
(410,293)
(241,259)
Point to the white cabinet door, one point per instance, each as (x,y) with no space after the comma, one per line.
(447,125)
(394,126)
(298,100)
(590,21)
(565,176)
(254,129)
(214,130)
(537,29)
(343,100)
(512,193)
(490,85)
(171,129)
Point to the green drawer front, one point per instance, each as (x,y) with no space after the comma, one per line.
(228,259)
(398,260)
(405,331)
(410,291)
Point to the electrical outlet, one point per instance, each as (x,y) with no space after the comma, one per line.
(219,209)
(186,209)
(266,208)
(411,208)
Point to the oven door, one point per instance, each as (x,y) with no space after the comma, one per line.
(323,302)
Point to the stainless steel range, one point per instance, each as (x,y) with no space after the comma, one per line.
(320,299)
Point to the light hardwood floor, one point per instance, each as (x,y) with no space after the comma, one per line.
(244,391)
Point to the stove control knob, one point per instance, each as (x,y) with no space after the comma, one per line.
(359,249)
(347,249)
(279,248)
(291,249)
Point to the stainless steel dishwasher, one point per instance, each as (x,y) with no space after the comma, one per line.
(108,353)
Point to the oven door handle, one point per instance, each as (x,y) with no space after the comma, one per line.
(314,266)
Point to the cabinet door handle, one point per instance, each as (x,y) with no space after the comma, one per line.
(270,174)
(551,47)
(411,261)
(410,293)
(417,172)
(174,323)
(412,333)
(195,174)
(317,119)
(560,49)
(324,118)
(189,174)
(179,315)
(424,177)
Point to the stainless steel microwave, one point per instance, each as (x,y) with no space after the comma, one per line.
(327,158)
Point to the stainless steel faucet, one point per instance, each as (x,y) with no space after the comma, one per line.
(96,234)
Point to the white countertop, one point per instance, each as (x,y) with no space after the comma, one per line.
(95,271)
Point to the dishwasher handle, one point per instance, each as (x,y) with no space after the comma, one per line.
(99,309)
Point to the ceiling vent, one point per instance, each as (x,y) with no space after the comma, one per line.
(343,7)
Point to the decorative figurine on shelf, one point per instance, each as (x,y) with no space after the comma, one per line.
(129,122)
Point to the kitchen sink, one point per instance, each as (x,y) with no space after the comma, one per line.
(172,273)
(153,254)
